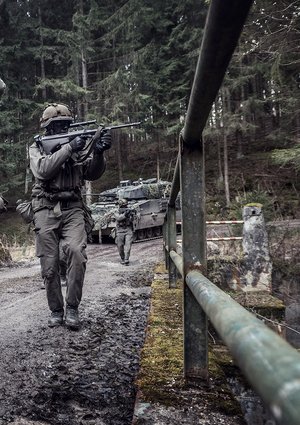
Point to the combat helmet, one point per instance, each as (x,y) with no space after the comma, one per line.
(123,202)
(55,112)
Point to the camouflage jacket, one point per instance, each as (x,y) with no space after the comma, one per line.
(59,171)
(124,218)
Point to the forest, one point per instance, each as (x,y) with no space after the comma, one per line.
(124,61)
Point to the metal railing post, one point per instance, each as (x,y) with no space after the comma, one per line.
(222,30)
(175,188)
(194,258)
(165,243)
(172,245)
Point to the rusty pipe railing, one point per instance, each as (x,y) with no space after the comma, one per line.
(223,26)
(270,364)
(175,188)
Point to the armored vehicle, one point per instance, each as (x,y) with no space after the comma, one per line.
(149,200)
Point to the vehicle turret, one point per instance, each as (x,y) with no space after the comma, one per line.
(148,197)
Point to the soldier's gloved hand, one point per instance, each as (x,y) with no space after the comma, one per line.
(104,142)
(77,144)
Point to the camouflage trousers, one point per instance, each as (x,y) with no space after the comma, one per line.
(124,239)
(67,233)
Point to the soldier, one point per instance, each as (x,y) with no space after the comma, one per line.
(63,266)
(60,215)
(124,230)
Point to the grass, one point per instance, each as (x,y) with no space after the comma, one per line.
(16,237)
(160,378)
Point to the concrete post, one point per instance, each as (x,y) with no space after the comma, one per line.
(257,266)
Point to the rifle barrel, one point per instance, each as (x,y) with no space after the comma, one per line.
(130,124)
(52,142)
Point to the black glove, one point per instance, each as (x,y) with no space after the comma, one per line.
(104,142)
(77,144)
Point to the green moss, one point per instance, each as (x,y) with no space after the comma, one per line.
(160,379)
(162,361)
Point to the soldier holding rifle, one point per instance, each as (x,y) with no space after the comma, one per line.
(60,215)
(124,230)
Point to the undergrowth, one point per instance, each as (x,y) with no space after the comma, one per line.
(161,379)
(14,232)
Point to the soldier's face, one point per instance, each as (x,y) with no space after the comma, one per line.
(58,127)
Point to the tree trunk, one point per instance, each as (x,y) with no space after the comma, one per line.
(219,123)
(119,155)
(84,83)
(221,177)
(158,157)
(226,176)
(88,184)
(43,73)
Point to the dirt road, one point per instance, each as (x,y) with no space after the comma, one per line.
(57,376)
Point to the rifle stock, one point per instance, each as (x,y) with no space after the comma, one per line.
(51,144)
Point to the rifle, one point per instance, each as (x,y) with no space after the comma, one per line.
(51,144)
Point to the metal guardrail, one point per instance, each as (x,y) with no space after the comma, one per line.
(269,363)
(221,238)
(224,238)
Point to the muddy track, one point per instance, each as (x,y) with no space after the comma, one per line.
(60,377)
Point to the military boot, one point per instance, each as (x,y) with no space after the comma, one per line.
(72,318)
(56,319)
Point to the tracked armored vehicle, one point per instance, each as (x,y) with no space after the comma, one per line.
(149,199)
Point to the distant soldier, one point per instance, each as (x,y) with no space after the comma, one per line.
(124,230)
